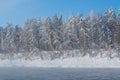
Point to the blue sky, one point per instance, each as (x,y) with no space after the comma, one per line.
(17,11)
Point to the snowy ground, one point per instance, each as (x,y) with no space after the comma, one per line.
(71,59)
(80,62)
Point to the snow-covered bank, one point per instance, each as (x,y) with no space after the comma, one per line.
(65,59)
(80,62)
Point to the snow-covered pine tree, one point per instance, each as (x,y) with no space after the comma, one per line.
(9,45)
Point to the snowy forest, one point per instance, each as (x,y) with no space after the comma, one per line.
(56,33)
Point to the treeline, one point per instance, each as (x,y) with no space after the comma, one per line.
(57,33)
